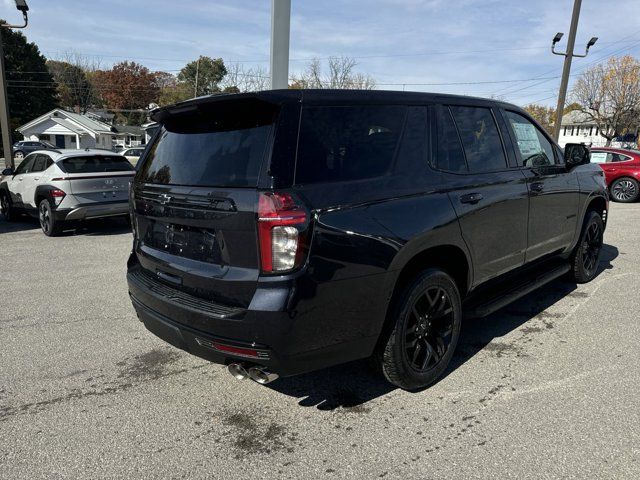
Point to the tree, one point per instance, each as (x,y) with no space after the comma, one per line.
(203,75)
(73,88)
(127,86)
(609,95)
(341,75)
(239,79)
(30,87)
(545,116)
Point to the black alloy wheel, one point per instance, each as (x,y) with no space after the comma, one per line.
(7,209)
(586,257)
(425,322)
(429,329)
(50,227)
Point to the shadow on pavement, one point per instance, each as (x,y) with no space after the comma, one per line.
(99,226)
(102,226)
(25,223)
(351,385)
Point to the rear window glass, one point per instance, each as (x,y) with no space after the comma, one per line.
(347,143)
(217,145)
(96,164)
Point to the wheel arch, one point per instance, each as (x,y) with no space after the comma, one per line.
(452,259)
(43,192)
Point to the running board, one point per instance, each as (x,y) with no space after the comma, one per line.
(511,295)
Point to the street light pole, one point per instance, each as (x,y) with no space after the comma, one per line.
(4,102)
(566,69)
(280,26)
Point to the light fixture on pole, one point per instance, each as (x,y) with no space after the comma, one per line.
(22,6)
(566,69)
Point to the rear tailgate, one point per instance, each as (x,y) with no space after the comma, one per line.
(89,188)
(97,177)
(195,198)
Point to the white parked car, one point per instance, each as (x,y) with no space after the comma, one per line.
(58,186)
(132,154)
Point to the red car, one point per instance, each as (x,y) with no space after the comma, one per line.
(622,171)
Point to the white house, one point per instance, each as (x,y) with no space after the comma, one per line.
(69,130)
(577,127)
(128,136)
(150,128)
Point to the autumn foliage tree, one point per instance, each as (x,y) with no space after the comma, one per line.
(545,116)
(127,86)
(609,94)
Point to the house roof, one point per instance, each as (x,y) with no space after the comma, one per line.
(128,130)
(68,125)
(81,121)
(576,117)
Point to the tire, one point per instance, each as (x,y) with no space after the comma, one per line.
(7,209)
(19,155)
(50,226)
(625,190)
(428,317)
(586,256)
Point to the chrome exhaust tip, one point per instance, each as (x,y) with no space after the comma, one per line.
(262,375)
(238,371)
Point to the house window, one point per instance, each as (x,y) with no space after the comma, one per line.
(578,130)
(590,131)
(571,130)
(565,131)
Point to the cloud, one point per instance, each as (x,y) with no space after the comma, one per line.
(396,41)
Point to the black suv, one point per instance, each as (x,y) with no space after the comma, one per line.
(285,231)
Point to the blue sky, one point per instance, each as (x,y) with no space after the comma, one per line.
(448,44)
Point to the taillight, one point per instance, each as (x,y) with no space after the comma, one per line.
(281,232)
(57,195)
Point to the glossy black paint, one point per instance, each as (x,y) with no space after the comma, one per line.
(364,234)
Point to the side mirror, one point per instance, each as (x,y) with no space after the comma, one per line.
(576,154)
(7,172)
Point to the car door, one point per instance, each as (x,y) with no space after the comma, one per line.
(488,195)
(32,179)
(15,184)
(553,190)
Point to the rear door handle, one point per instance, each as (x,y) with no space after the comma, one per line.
(471,198)
(36,178)
(537,187)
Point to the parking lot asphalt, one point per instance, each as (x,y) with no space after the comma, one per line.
(546,388)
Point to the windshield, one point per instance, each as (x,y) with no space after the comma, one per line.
(96,164)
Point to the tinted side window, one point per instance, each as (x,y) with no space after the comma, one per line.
(347,143)
(480,138)
(534,148)
(618,157)
(26,165)
(450,153)
(412,153)
(40,163)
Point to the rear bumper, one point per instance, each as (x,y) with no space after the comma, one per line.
(287,341)
(93,210)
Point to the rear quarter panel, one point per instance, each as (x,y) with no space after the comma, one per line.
(358,249)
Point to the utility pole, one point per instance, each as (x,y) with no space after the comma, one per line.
(566,69)
(195,89)
(4,101)
(280,26)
